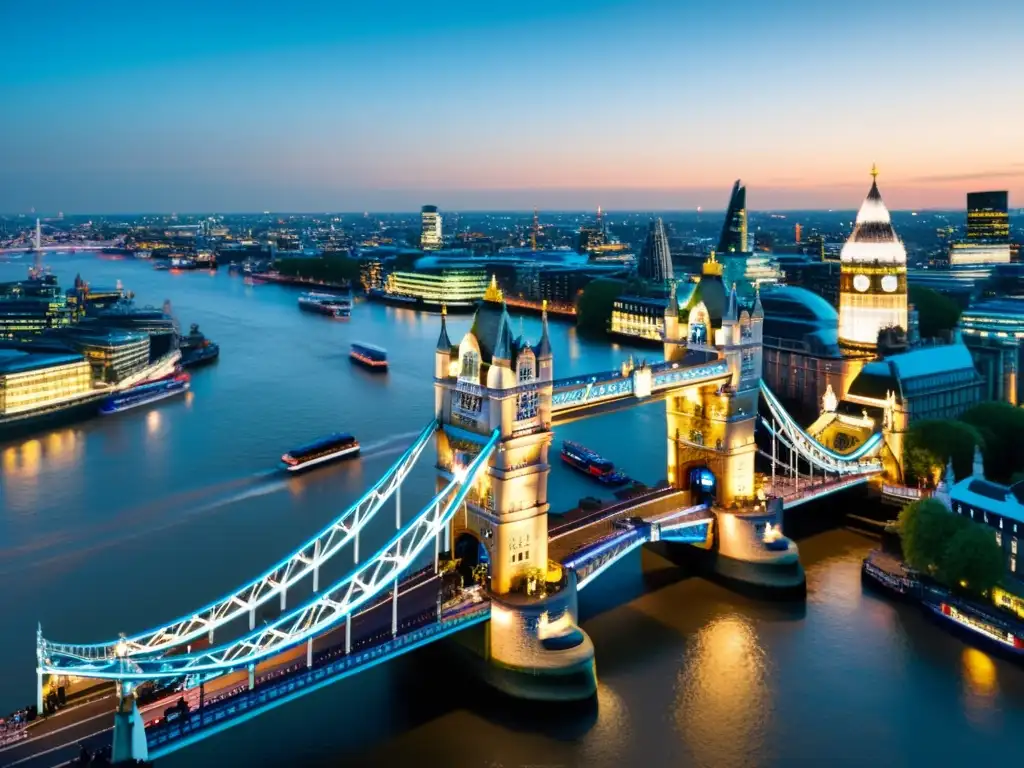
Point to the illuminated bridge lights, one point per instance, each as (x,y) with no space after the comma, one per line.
(864,458)
(287,572)
(317,615)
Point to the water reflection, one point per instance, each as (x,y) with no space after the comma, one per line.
(722,699)
(607,742)
(980,685)
(153,423)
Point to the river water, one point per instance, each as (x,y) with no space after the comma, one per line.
(117,524)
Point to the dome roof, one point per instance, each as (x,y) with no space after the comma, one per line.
(797,303)
(873,238)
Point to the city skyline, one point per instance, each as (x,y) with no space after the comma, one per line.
(562,106)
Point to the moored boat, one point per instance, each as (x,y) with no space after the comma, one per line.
(143,394)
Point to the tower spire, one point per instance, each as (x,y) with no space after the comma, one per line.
(874,172)
(544,347)
(444,344)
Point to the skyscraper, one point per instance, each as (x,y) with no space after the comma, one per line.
(655,263)
(873,275)
(988,218)
(430,234)
(734,230)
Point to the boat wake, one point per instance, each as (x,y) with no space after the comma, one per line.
(175,510)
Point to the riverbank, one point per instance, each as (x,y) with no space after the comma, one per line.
(985,625)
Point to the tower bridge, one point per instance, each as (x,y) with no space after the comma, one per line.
(496,402)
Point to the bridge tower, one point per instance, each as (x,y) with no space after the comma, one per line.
(712,426)
(493,380)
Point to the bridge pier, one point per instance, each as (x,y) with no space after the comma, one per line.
(129,741)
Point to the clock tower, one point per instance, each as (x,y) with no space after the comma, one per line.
(873,276)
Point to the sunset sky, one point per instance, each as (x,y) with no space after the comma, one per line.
(238,106)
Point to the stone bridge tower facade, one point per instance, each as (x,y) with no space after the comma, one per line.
(712,426)
(493,380)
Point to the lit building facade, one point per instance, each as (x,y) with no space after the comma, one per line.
(33,306)
(993,331)
(655,262)
(431,238)
(873,276)
(452,286)
(31,381)
(937,382)
(961,254)
(988,218)
(1000,507)
(112,355)
(639,317)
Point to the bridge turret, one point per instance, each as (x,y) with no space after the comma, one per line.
(443,350)
(675,333)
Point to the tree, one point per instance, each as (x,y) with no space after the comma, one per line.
(1000,425)
(480,574)
(931,443)
(327,268)
(594,310)
(972,560)
(925,528)
(937,314)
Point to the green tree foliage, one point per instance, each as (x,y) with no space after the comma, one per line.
(972,560)
(952,549)
(1001,426)
(937,314)
(326,268)
(925,527)
(932,442)
(594,310)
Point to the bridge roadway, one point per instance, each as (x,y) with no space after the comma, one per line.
(58,739)
(577,529)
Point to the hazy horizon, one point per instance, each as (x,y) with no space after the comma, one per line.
(640,105)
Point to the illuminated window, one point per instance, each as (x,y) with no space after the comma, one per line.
(470,367)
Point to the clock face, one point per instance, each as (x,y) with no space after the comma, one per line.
(889,283)
(861,283)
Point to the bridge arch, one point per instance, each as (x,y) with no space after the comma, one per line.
(470,551)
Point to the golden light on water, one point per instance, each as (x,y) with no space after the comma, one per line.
(608,741)
(980,685)
(722,698)
(153,422)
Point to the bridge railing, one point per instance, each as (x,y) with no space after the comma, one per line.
(327,668)
(787,429)
(318,614)
(305,560)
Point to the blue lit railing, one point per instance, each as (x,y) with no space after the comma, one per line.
(165,738)
(320,613)
(306,559)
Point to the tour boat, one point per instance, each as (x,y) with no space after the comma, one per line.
(588,462)
(369,356)
(143,394)
(331,448)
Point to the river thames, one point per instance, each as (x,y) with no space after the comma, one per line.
(117,524)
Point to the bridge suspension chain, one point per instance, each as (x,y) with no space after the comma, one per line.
(864,458)
(314,617)
(305,560)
